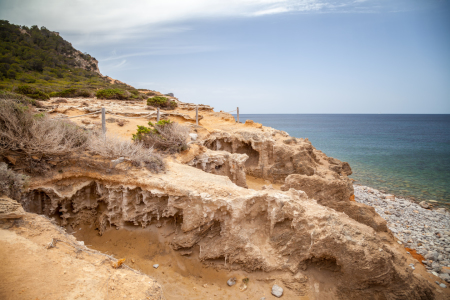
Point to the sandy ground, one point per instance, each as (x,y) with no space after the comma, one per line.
(182,277)
(210,121)
(31,271)
(256,183)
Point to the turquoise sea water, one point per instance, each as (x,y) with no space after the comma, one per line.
(406,155)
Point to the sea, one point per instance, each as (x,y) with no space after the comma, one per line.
(406,155)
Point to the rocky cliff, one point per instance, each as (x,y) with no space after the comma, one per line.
(302,229)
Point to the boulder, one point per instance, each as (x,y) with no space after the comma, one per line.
(10,209)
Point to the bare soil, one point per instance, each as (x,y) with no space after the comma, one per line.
(182,277)
(31,271)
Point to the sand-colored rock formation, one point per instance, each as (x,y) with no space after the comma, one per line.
(222,163)
(10,209)
(335,194)
(266,230)
(307,233)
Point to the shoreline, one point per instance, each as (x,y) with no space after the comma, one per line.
(406,196)
(425,230)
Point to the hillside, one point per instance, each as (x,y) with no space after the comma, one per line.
(45,63)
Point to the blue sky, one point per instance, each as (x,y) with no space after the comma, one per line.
(265,56)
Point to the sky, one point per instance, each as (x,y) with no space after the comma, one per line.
(264,56)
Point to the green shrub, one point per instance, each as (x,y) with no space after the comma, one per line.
(32,92)
(113,94)
(164,135)
(27,78)
(163,102)
(72,93)
(11,183)
(6,95)
(85,93)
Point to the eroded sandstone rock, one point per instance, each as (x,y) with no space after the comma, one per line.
(336,194)
(254,230)
(222,163)
(10,209)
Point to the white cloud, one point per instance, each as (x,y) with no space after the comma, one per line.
(108,16)
(108,22)
(271,11)
(158,50)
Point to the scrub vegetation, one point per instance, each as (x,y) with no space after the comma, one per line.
(34,136)
(39,63)
(164,135)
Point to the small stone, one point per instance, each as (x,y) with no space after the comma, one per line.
(443,286)
(263,298)
(399,242)
(231,281)
(445,277)
(155,266)
(424,204)
(445,270)
(193,136)
(277,291)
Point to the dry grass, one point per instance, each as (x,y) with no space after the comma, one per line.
(11,183)
(171,137)
(113,147)
(35,135)
(28,133)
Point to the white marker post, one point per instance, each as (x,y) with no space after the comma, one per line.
(196,114)
(104,120)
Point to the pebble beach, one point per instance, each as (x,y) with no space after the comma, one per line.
(416,226)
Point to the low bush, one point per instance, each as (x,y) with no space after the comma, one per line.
(6,95)
(11,183)
(32,92)
(113,94)
(113,147)
(72,93)
(163,102)
(23,131)
(27,78)
(164,135)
